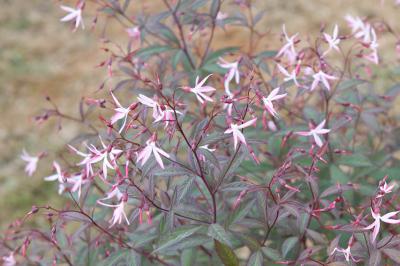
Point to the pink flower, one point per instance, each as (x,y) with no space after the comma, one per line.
(318,130)
(77,181)
(120,113)
(288,49)
(377,223)
(332,41)
(74,14)
(346,252)
(32,162)
(373,45)
(199,90)
(237,134)
(205,147)
(289,77)
(103,155)
(385,189)
(58,176)
(273,96)
(151,148)
(157,111)
(167,116)
(85,161)
(9,260)
(221,15)
(233,72)
(95,155)
(115,192)
(319,77)
(355,23)
(118,213)
(133,32)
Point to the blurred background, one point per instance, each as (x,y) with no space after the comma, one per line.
(40,56)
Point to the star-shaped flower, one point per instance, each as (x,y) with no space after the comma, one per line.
(332,41)
(151,148)
(273,96)
(32,162)
(376,225)
(74,14)
(318,130)
(237,134)
(319,77)
(199,90)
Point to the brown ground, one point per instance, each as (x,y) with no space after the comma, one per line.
(40,56)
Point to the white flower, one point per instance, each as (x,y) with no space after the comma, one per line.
(59,176)
(157,111)
(288,77)
(320,76)
(273,96)
(318,130)
(9,260)
(355,23)
(77,181)
(377,223)
(333,40)
(103,155)
(346,252)
(288,49)
(133,32)
(120,113)
(237,134)
(118,213)
(199,90)
(32,162)
(151,148)
(385,189)
(74,14)
(233,72)
(205,147)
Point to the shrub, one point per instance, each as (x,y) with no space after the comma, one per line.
(210,156)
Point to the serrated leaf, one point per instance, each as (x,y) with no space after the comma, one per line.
(153,50)
(226,254)
(219,53)
(356,160)
(176,237)
(375,258)
(288,245)
(349,83)
(272,254)
(256,259)
(337,175)
(217,232)
(393,254)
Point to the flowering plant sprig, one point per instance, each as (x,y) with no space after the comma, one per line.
(174,170)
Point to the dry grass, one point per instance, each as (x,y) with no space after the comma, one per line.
(40,56)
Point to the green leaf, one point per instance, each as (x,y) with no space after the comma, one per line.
(349,83)
(272,254)
(239,213)
(393,254)
(337,175)
(256,259)
(217,232)
(356,160)
(289,244)
(153,50)
(176,237)
(215,55)
(375,259)
(226,254)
